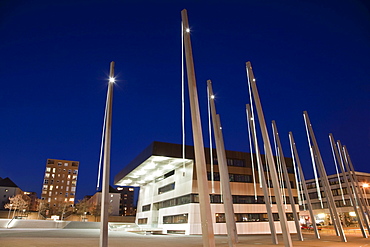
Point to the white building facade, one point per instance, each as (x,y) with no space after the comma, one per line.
(168,197)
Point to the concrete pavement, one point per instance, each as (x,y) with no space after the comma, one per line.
(90,238)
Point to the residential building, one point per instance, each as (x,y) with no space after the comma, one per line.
(168,196)
(7,189)
(128,203)
(114,202)
(33,203)
(341,198)
(59,186)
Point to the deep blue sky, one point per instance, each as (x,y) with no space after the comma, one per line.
(55,55)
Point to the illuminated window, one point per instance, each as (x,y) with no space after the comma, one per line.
(73,189)
(71,199)
(57,187)
(67,182)
(69,176)
(131,189)
(65,199)
(74,177)
(54,170)
(44,192)
(49,199)
(67,188)
(48,169)
(47,175)
(62,181)
(65,164)
(53,175)
(61,187)
(49,193)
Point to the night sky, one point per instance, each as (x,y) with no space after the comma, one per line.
(54,65)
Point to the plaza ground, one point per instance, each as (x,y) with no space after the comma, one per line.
(90,238)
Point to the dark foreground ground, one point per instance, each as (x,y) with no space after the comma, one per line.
(90,238)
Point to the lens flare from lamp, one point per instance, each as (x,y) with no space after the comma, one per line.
(112,79)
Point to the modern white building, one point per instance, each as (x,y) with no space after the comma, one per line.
(168,197)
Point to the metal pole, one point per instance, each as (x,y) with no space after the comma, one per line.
(263,179)
(103,241)
(324,180)
(345,178)
(270,159)
(289,187)
(224,173)
(355,184)
(303,181)
(200,160)
(353,171)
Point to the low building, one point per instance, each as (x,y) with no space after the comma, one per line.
(33,202)
(341,198)
(114,202)
(7,189)
(168,197)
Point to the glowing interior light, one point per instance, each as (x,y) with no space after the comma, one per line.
(169,166)
(254,79)
(188,30)
(321,215)
(212,96)
(159,158)
(141,172)
(112,79)
(365,185)
(353,214)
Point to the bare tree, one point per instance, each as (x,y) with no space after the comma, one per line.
(18,203)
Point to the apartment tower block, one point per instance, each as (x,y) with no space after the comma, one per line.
(59,186)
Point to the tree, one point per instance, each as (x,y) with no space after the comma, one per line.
(83,207)
(63,209)
(18,202)
(43,207)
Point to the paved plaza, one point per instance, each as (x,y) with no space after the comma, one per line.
(90,238)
